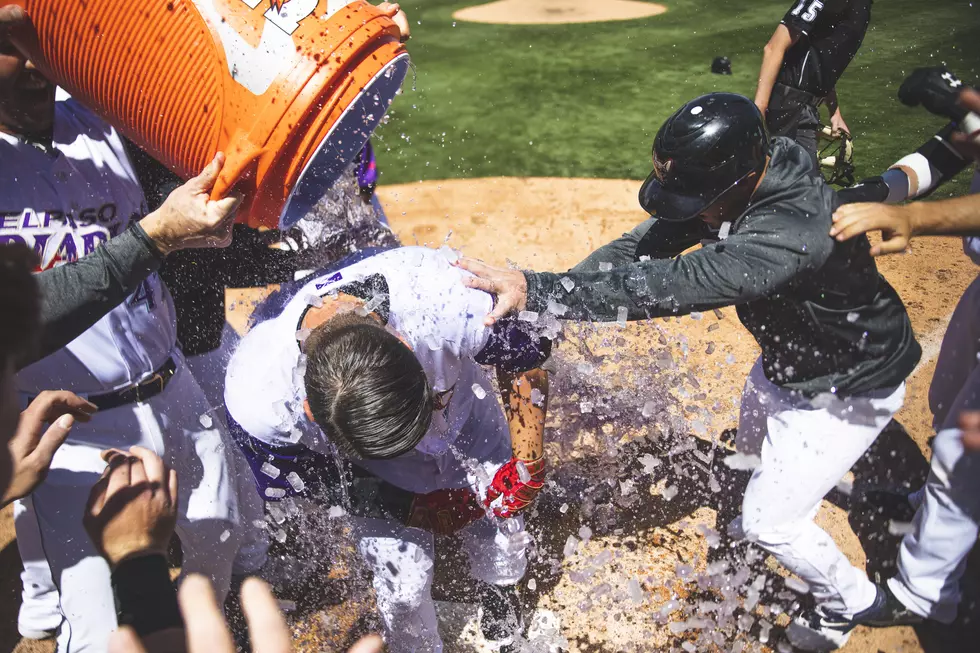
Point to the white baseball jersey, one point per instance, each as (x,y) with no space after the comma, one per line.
(439,318)
(64,203)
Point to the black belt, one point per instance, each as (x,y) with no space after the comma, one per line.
(139,393)
(796,95)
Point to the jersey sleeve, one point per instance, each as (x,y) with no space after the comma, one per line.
(802,16)
(514,346)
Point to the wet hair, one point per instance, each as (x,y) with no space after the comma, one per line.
(21,304)
(366,389)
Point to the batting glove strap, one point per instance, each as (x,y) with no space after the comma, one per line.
(516,486)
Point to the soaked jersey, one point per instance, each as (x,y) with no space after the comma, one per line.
(64,201)
(421,296)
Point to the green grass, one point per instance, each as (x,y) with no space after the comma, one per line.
(585,100)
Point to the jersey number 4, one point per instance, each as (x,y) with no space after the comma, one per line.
(811,13)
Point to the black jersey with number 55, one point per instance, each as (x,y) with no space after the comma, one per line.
(827,35)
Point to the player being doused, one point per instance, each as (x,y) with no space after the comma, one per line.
(381,354)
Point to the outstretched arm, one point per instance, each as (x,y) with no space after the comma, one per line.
(516,483)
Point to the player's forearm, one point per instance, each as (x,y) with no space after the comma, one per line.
(76,295)
(772,61)
(525,397)
(833,104)
(955,217)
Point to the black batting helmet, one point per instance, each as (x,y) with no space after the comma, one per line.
(721,66)
(705,149)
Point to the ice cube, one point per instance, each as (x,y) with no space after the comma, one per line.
(295,481)
(314,300)
(649,409)
(522,472)
(797,585)
(845,486)
(900,528)
(605,266)
(567,284)
(449,253)
(645,257)
(336,512)
(532,584)
(528,316)
(764,628)
(556,308)
(853,317)
(649,462)
(669,492)
(303,334)
(635,591)
(479,391)
(586,406)
(537,397)
(696,316)
(375,302)
(270,470)
(570,545)
(621,314)
(287,606)
(711,535)
(224,536)
(275,492)
(279,535)
(742,461)
(724,230)
(205,420)
(563,509)
(585,533)
(278,514)
(689,647)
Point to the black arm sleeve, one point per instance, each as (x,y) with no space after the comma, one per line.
(76,295)
(653,238)
(769,250)
(145,597)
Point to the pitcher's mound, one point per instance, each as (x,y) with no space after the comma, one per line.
(537,12)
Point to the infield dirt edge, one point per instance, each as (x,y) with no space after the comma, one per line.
(557,12)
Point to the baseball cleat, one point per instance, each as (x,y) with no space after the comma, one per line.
(892,612)
(822,630)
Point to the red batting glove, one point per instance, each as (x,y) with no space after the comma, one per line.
(517,494)
(445,512)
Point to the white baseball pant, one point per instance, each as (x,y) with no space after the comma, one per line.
(403,563)
(209,527)
(932,558)
(806,446)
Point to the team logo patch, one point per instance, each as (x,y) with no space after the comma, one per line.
(661,168)
(333,278)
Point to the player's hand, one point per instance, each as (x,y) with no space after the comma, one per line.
(894,222)
(935,88)
(969,422)
(968,144)
(445,512)
(132,509)
(508,494)
(33,446)
(837,125)
(394,11)
(189,218)
(508,286)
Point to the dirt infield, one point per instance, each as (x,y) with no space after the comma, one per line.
(666,388)
(542,12)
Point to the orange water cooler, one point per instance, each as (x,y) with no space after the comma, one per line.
(290,90)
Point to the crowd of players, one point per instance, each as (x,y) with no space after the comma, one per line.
(380,352)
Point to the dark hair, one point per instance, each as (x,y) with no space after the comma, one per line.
(21,303)
(366,389)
